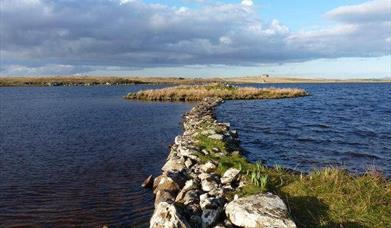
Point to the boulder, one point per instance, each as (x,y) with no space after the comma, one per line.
(230,176)
(174,164)
(164,196)
(167,216)
(260,210)
(166,183)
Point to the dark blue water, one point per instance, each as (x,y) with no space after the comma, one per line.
(346,125)
(77,155)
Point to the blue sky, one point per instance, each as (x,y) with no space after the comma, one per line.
(203,38)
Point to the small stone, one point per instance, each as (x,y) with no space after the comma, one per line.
(189,185)
(210,216)
(208,167)
(230,176)
(178,139)
(216,136)
(148,183)
(215,149)
(208,184)
(233,133)
(188,163)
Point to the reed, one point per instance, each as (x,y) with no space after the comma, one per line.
(199,92)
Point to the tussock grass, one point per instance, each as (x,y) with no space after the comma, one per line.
(199,92)
(328,197)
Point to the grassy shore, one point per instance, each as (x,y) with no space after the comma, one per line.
(199,92)
(87,81)
(97,80)
(329,197)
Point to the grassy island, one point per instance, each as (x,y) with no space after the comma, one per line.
(329,197)
(199,92)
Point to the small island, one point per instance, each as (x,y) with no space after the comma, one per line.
(208,181)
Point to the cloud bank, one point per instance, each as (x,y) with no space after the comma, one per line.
(71,36)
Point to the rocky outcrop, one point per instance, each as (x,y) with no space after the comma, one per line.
(190,192)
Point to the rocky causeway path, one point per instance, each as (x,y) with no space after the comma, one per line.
(193,191)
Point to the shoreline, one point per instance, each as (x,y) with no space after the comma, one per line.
(112,81)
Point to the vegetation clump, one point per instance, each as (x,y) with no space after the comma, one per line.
(227,92)
(329,197)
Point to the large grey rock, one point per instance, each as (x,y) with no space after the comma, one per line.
(261,210)
(167,216)
(230,175)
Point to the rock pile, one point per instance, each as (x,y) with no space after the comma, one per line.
(191,193)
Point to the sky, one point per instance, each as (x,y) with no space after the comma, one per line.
(196,38)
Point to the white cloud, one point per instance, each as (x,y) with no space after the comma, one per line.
(74,35)
(247,2)
(374,10)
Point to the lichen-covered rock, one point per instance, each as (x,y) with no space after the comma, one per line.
(230,176)
(167,216)
(260,210)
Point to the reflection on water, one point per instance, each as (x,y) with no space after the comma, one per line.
(77,155)
(339,124)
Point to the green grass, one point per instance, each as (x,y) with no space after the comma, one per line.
(330,197)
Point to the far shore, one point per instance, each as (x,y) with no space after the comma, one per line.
(105,80)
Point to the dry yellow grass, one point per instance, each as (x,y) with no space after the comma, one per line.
(199,92)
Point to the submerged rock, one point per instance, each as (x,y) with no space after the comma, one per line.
(148,183)
(258,211)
